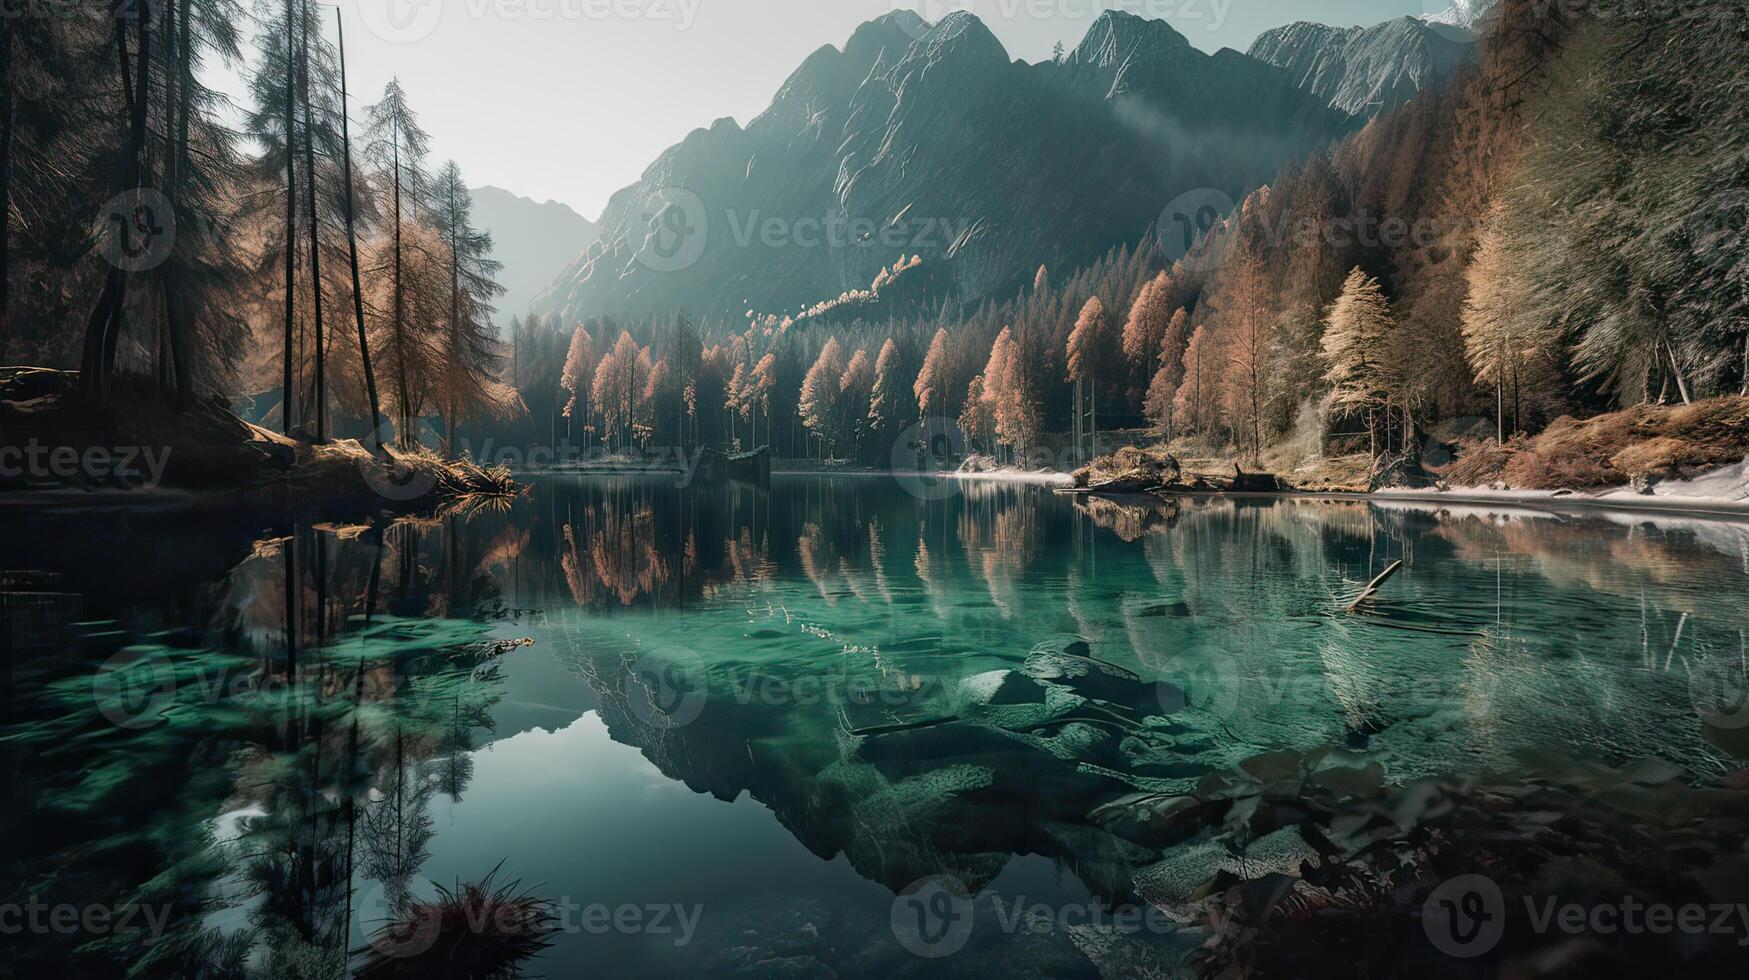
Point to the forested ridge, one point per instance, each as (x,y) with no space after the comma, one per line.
(1558,230)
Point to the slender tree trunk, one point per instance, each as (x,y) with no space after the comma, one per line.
(1500,407)
(293,604)
(182,368)
(1517,404)
(1080,419)
(321,385)
(455,327)
(103,327)
(286,411)
(7,123)
(172,78)
(400,327)
(1676,372)
(370,378)
(1256,404)
(1093,392)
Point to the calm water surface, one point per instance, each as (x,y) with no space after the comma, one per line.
(723,728)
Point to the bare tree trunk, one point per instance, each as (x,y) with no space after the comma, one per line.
(400,328)
(455,315)
(103,327)
(370,378)
(1676,372)
(1075,428)
(7,124)
(1517,405)
(315,237)
(1256,416)
(1500,408)
(182,369)
(1093,392)
(291,221)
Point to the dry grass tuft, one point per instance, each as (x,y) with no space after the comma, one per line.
(1647,442)
(475,931)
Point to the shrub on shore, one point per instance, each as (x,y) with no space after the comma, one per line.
(1644,443)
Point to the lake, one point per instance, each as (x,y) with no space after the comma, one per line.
(723,729)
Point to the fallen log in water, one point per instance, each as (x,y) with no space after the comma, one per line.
(1372,587)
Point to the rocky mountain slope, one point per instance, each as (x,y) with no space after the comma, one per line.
(534,241)
(930,141)
(1467,14)
(1367,70)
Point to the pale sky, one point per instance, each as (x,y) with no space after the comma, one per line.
(571,99)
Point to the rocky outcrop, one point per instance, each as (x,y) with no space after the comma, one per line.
(1364,71)
(1467,14)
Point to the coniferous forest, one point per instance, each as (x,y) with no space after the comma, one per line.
(996,504)
(1521,242)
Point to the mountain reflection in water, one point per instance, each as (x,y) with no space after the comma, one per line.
(279,735)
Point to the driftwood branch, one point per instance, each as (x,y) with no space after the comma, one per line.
(1373,587)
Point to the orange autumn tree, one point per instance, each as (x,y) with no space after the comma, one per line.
(1087,356)
(1145,330)
(579,375)
(931,387)
(820,396)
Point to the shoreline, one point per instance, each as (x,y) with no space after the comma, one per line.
(1546,501)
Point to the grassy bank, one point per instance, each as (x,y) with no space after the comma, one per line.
(59,447)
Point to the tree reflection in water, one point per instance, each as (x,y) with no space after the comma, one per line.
(333,685)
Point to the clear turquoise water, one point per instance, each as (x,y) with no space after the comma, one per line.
(751,718)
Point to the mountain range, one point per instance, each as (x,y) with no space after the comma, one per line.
(1367,70)
(929,141)
(535,242)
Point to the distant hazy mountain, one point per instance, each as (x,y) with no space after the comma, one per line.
(534,241)
(1367,70)
(929,140)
